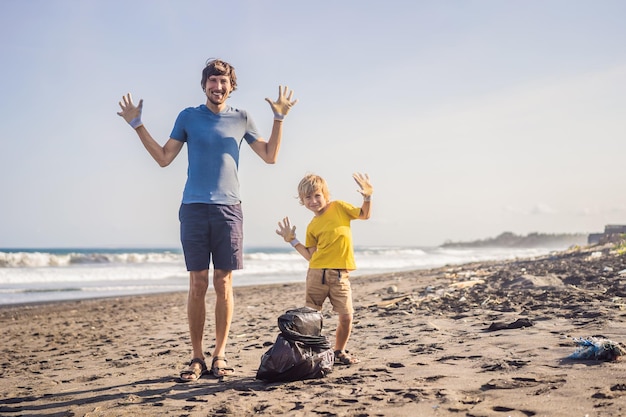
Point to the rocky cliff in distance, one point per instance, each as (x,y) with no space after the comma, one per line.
(532,240)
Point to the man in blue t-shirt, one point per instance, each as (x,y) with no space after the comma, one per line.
(211,221)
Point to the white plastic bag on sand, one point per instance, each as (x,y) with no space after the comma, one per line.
(597,348)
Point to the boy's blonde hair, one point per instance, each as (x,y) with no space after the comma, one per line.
(311,184)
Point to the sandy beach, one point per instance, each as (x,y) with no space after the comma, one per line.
(482,339)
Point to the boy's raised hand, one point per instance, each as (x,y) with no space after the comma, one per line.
(283,104)
(285,230)
(365,187)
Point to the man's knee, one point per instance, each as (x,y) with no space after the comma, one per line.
(222,281)
(198,283)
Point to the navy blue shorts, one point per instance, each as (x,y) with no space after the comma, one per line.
(211,231)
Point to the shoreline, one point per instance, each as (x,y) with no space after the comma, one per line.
(102,275)
(422,336)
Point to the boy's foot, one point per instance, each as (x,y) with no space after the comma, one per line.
(343,357)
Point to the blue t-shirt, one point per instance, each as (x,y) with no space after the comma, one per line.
(213,142)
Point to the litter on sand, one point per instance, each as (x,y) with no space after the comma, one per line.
(597,348)
(517,324)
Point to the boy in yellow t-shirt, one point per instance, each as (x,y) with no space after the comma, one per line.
(329,250)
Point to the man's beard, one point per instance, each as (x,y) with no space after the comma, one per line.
(215,100)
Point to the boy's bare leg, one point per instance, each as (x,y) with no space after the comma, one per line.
(344,328)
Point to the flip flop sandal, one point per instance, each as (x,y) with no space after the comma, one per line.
(342,357)
(193,371)
(222,371)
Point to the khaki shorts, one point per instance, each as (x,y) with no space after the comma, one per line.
(333,284)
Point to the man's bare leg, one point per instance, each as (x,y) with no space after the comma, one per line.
(196,313)
(224,306)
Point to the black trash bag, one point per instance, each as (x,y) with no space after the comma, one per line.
(304,321)
(300,351)
(288,360)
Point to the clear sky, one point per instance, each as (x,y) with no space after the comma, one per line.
(471,117)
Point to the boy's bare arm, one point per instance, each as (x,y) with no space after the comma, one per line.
(304,251)
(366,190)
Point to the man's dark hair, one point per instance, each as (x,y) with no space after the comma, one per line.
(216,66)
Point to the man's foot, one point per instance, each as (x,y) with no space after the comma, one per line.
(342,357)
(220,368)
(197,368)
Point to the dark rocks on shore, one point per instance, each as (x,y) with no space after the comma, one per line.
(532,240)
(581,283)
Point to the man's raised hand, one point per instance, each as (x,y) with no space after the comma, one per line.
(283,104)
(130,112)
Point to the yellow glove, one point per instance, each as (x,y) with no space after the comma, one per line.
(284,103)
(130,112)
(287,231)
(365,187)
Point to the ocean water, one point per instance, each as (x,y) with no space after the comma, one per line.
(42,275)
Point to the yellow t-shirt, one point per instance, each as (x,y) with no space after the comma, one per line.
(330,232)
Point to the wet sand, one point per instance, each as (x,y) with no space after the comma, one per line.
(481,339)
